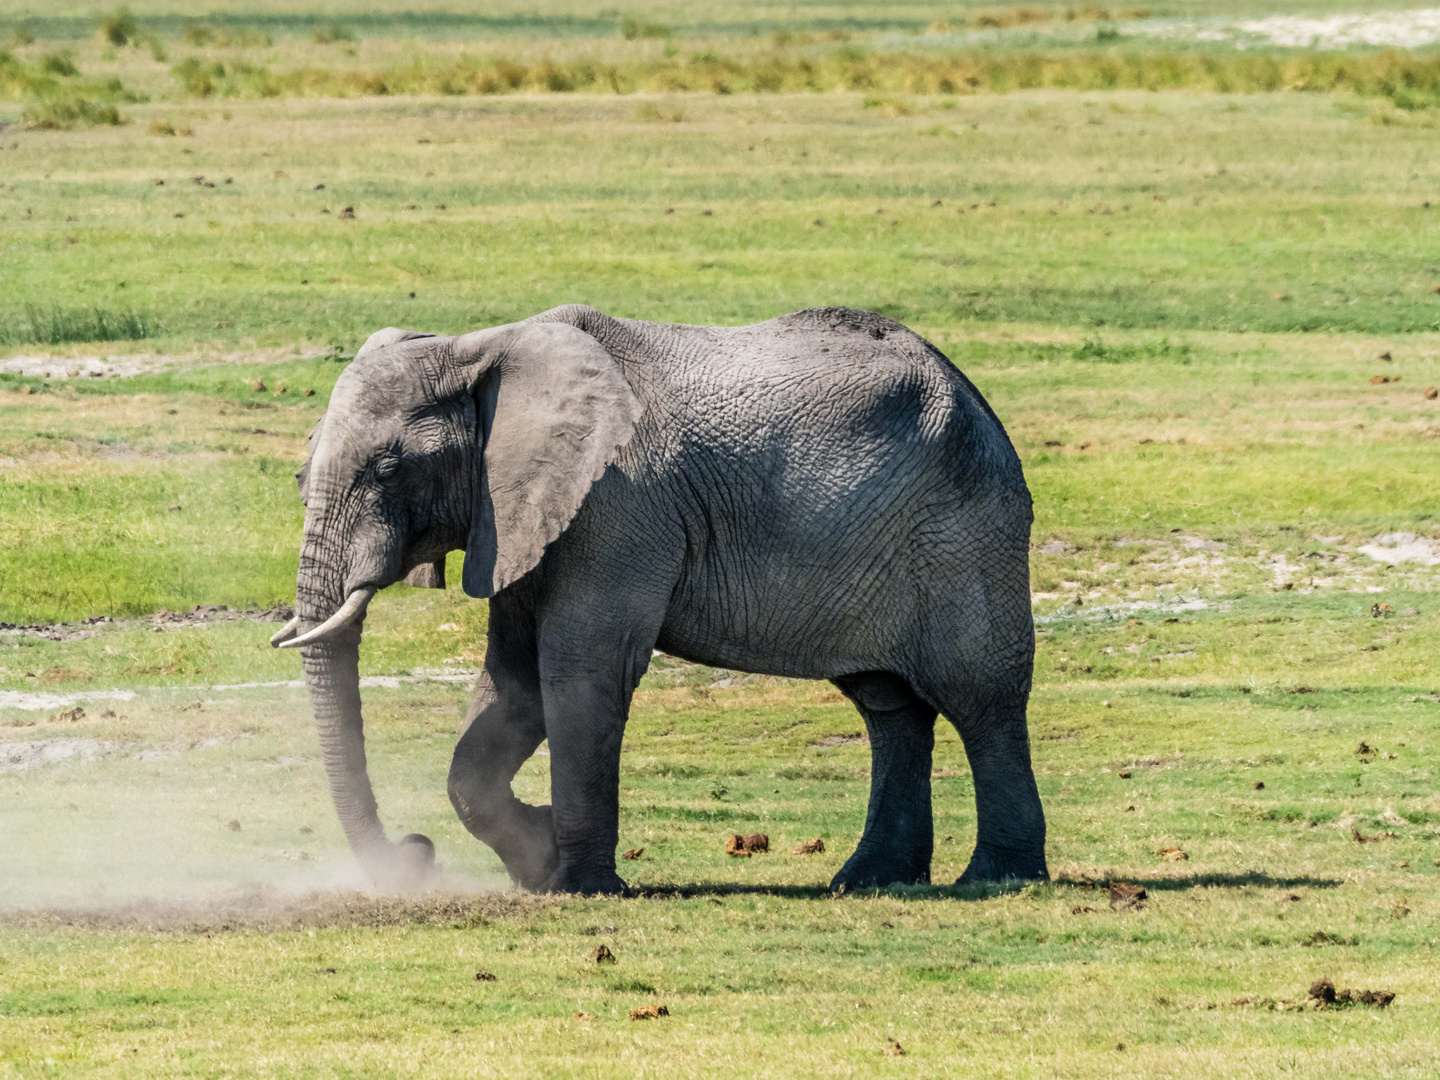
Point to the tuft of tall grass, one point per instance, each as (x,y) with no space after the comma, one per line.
(331,34)
(203,35)
(55,96)
(70,111)
(118,28)
(59,63)
(62,326)
(1409,81)
(631,29)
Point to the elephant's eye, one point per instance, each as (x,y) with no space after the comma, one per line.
(386,466)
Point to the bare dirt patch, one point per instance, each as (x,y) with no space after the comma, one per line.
(19,757)
(856,739)
(50,366)
(199,615)
(1126,896)
(268,910)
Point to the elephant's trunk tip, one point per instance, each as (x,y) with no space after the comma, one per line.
(352,609)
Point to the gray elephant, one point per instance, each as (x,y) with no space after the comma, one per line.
(821,496)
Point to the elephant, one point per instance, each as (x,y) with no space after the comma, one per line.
(819,496)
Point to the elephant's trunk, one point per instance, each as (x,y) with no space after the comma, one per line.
(332,673)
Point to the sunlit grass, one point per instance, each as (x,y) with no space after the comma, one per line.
(1176,303)
(1117,210)
(1196,980)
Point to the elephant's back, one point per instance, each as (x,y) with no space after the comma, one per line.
(818,409)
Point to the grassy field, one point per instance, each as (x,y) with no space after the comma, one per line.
(1108,267)
(1208,320)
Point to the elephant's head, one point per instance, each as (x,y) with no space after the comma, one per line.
(486,442)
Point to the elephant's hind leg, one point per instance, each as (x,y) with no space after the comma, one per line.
(899,833)
(1010,830)
(506,723)
(976,668)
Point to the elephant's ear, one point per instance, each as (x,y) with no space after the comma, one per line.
(430,575)
(554,410)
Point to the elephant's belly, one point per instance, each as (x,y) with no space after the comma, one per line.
(747,657)
(798,626)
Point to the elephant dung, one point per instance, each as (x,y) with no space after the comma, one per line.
(484,976)
(742,847)
(649,1012)
(810,847)
(1173,854)
(633,853)
(1323,992)
(1125,896)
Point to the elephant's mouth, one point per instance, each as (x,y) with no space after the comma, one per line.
(352,610)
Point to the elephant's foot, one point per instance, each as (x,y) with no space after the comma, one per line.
(879,870)
(410,864)
(589,882)
(991,863)
(528,847)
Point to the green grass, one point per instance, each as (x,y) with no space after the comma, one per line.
(61,326)
(1175,301)
(959,978)
(1275,213)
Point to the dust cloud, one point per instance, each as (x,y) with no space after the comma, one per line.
(171,808)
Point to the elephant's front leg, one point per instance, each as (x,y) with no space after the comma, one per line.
(585,720)
(506,723)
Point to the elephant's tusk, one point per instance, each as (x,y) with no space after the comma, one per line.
(352,609)
(286,632)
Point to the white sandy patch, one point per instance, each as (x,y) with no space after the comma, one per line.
(1392,29)
(1175,605)
(85,367)
(1374,29)
(1402,547)
(35,702)
(1281,569)
(19,757)
(116,367)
